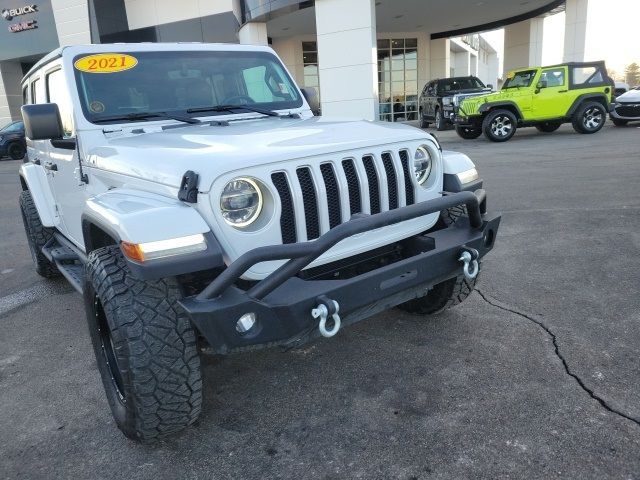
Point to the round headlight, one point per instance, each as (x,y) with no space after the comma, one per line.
(422,164)
(241,202)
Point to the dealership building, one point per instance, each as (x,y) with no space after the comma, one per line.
(365,58)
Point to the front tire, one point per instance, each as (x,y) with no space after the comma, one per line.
(423,121)
(548,127)
(145,348)
(37,236)
(440,123)
(499,125)
(16,151)
(441,297)
(468,133)
(589,118)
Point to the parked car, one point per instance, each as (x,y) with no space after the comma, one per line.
(626,108)
(620,88)
(12,143)
(437,98)
(188,192)
(541,97)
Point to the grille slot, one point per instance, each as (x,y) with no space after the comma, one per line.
(374,187)
(310,201)
(408,185)
(333,194)
(287,217)
(355,202)
(392,180)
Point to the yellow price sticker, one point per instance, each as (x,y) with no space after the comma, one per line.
(105,63)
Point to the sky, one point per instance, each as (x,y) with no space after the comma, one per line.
(612,34)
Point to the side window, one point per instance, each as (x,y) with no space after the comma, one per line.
(35,87)
(587,76)
(554,78)
(58,93)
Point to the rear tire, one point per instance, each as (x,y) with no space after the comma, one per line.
(499,125)
(37,236)
(589,118)
(468,133)
(145,348)
(619,123)
(548,127)
(16,151)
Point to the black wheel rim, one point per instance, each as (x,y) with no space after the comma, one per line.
(107,348)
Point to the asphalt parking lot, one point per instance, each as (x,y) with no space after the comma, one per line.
(535,376)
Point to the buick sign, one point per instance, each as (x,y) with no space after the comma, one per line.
(9,13)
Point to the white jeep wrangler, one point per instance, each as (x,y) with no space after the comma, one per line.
(190,194)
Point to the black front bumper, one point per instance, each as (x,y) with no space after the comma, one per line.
(282,302)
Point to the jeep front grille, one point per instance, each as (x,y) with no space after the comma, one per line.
(334,191)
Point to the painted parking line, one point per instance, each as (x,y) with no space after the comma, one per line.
(31,294)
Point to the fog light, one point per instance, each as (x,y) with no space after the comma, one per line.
(246,322)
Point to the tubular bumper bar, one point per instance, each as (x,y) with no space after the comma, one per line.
(302,254)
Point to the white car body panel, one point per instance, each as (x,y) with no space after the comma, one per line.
(456,162)
(35,177)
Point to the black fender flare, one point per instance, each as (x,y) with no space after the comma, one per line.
(507,104)
(597,97)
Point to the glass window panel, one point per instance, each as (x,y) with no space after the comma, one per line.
(411,42)
(311,69)
(410,75)
(411,88)
(384,108)
(311,81)
(386,65)
(310,57)
(383,43)
(412,116)
(382,54)
(411,64)
(397,88)
(398,103)
(397,64)
(411,54)
(397,76)
(397,43)
(309,47)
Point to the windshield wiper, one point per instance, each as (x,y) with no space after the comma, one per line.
(148,115)
(230,108)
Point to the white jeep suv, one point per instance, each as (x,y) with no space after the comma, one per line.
(188,192)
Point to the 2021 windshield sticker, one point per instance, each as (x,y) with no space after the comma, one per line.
(105,63)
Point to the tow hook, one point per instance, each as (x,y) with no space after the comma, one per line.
(469,257)
(325,308)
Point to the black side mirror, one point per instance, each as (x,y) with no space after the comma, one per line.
(489,85)
(311,97)
(42,122)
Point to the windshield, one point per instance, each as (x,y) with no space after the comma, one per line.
(520,79)
(12,127)
(174,82)
(457,84)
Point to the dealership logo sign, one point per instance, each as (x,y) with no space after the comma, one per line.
(9,13)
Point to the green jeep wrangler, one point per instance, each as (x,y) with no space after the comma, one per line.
(541,97)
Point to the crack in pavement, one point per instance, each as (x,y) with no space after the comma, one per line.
(580,382)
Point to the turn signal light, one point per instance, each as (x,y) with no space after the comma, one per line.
(142,252)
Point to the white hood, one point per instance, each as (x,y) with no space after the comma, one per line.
(163,156)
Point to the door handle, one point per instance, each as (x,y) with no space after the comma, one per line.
(562,91)
(51,166)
